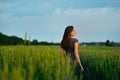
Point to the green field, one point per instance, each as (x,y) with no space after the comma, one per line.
(46,63)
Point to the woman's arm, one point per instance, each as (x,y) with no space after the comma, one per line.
(77,55)
(62,51)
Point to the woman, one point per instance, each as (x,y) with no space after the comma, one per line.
(70,45)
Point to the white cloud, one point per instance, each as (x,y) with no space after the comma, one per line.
(4,5)
(91,24)
(71,12)
(91,11)
(4,16)
(44,5)
(57,11)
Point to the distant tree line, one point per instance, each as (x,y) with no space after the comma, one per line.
(35,42)
(92,44)
(107,43)
(112,43)
(10,40)
(14,40)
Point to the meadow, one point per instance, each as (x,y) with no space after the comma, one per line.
(46,63)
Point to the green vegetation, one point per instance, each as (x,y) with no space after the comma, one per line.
(46,63)
(101,63)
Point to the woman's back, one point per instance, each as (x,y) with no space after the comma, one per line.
(70,51)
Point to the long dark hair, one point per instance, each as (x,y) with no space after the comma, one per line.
(66,37)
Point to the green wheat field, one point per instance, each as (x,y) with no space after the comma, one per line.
(46,63)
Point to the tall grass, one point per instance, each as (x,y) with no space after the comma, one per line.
(101,63)
(46,63)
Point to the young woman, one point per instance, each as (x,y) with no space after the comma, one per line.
(70,45)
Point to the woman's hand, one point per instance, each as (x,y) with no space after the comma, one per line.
(62,51)
(82,69)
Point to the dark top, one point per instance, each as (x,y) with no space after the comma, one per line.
(70,51)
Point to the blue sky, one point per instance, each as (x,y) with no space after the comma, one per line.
(45,20)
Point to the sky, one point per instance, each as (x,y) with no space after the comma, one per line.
(46,20)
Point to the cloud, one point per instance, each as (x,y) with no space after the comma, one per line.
(91,11)
(45,5)
(4,16)
(57,11)
(25,8)
(94,24)
(4,5)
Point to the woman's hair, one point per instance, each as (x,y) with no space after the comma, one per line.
(66,37)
